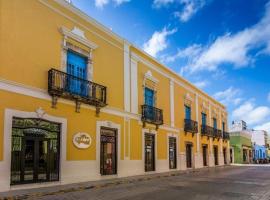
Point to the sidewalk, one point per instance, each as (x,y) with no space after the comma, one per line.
(251,165)
(53,190)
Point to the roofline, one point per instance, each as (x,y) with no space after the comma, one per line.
(119,38)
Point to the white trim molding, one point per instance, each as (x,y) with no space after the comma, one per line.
(134,86)
(172,102)
(127,77)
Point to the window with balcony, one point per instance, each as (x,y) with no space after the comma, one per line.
(150,114)
(190,125)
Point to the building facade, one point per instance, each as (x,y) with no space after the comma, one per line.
(241,147)
(79,103)
(259,141)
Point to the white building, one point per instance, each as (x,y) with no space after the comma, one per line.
(259,137)
(238,126)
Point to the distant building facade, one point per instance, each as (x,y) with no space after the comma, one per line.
(241,147)
(259,141)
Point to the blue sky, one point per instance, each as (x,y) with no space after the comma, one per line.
(223,47)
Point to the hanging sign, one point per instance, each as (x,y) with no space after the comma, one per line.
(82,140)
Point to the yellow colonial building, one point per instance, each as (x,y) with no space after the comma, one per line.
(79,103)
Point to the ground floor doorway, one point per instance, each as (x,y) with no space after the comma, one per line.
(35,151)
(172,153)
(216,155)
(149,152)
(225,156)
(205,155)
(189,155)
(108,151)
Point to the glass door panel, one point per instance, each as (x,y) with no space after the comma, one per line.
(42,158)
(29,160)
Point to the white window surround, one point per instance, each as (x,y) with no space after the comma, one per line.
(112,125)
(154,132)
(77,35)
(5,164)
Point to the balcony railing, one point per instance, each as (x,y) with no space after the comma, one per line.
(152,115)
(191,126)
(226,136)
(217,133)
(207,131)
(61,84)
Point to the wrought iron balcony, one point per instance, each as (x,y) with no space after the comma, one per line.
(61,84)
(207,131)
(152,115)
(226,135)
(191,126)
(217,133)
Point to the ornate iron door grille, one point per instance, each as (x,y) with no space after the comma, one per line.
(34,151)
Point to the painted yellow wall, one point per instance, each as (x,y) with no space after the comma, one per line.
(31,44)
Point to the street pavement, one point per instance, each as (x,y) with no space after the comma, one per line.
(229,183)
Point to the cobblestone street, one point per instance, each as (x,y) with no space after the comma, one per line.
(245,182)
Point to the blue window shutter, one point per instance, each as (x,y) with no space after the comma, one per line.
(77,67)
(215,122)
(187,112)
(149,97)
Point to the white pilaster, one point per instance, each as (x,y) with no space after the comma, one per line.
(134,86)
(197,119)
(126,77)
(172,102)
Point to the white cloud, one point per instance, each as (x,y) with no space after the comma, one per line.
(187,53)
(231,48)
(201,84)
(158,42)
(160,3)
(102,3)
(229,96)
(119,2)
(251,114)
(191,7)
(265,127)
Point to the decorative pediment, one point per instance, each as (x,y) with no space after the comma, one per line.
(149,80)
(78,35)
(148,75)
(214,113)
(188,99)
(78,32)
(204,107)
(40,112)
